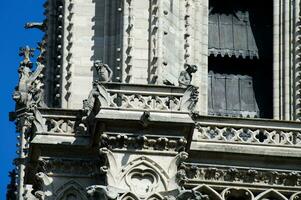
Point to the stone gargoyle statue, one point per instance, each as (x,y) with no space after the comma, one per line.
(36,25)
(30,89)
(185,77)
(104,72)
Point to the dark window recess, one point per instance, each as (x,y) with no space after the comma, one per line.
(230,32)
(232,95)
(240,58)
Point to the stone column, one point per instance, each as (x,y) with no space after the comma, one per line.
(201,17)
(285,74)
(297,60)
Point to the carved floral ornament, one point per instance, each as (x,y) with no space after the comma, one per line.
(122,141)
(228,175)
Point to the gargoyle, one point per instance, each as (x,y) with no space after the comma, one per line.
(98,97)
(103,192)
(185,77)
(104,72)
(45,186)
(37,25)
(192,195)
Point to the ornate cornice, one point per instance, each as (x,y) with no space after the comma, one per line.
(142,142)
(73,167)
(224,175)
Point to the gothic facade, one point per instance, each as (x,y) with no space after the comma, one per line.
(160,100)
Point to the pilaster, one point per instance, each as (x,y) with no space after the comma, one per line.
(286,81)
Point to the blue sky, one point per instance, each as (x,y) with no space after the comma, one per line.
(13,16)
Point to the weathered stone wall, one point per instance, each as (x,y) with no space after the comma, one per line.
(142,42)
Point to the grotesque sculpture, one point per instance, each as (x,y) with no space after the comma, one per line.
(30,89)
(37,25)
(104,72)
(192,195)
(186,75)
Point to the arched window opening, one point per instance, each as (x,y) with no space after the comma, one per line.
(240,48)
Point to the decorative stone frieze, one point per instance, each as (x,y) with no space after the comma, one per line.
(198,173)
(139,142)
(80,167)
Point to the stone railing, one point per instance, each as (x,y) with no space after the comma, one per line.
(144,97)
(60,122)
(248,131)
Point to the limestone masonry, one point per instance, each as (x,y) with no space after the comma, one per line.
(160,100)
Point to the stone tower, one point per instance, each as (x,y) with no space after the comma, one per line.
(160,100)
(132,37)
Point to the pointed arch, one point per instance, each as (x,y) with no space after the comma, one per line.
(237,193)
(129,196)
(155,197)
(271,194)
(296,196)
(206,190)
(71,190)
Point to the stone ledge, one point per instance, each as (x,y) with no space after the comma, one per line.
(60,140)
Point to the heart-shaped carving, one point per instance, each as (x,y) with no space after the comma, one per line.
(143,182)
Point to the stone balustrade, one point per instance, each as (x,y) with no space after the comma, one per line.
(250,136)
(148,97)
(62,122)
(248,131)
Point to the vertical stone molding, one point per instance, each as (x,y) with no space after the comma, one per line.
(155,19)
(200,52)
(54,12)
(68,65)
(128,41)
(286,60)
(297,61)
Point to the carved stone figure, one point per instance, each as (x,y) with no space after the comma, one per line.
(30,89)
(103,192)
(38,25)
(191,195)
(186,75)
(42,49)
(104,72)
(44,188)
(98,97)
(189,99)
